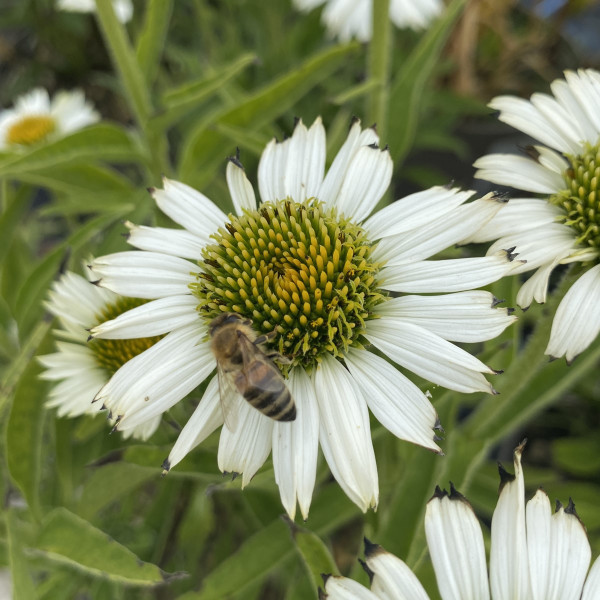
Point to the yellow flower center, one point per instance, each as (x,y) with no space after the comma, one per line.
(30,130)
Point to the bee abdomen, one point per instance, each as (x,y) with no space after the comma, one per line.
(276,404)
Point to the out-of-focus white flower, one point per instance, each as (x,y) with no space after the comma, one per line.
(311,265)
(80,369)
(35,119)
(564,225)
(535,555)
(346,19)
(123,8)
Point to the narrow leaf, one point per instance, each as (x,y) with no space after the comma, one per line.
(22,584)
(71,540)
(152,38)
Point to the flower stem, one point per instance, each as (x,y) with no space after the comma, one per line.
(378,66)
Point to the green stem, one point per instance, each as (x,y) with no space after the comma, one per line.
(378,66)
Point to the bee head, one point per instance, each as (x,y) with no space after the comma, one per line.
(226,319)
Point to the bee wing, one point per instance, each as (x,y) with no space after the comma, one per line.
(228,399)
(252,353)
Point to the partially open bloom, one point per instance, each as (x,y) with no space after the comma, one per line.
(80,369)
(535,555)
(563,225)
(36,119)
(346,19)
(304,263)
(123,8)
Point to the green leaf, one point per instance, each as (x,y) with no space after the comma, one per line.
(22,584)
(125,61)
(9,220)
(315,554)
(580,455)
(97,142)
(152,38)
(110,482)
(71,540)
(31,294)
(407,91)
(24,428)
(207,147)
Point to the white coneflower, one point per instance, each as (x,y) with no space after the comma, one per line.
(35,119)
(564,225)
(123,8)
(79,368)
(535,555)
(346,19)
(305,264)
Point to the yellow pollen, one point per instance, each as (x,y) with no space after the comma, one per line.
(30,130)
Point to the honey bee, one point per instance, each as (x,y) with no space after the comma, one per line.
(244,368)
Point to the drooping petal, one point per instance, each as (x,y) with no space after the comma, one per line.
(296,445)
(245,450)
(460,317)
(392,579)
(577,320)
(205,419)
(536,287)
(539,544)
(345,434)
(428,355)
(153,318)
(591,590)
(397,403)
(456,547)
(342,588)
(509,566)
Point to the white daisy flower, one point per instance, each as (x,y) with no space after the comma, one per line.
(123,8)
(535,555)
(347,19)
(304,264)
(35,118)
(564,225)
(79,368)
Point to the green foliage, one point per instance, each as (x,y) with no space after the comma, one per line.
(179,88)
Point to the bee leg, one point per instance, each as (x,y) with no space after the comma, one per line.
(275,356)
(261,339)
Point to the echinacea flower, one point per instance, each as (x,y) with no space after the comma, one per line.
(79,368)
(346,19)
(304,263)
(563,226)
(35,119)
(123,8)
(535,555)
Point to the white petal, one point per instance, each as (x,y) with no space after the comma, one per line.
(204,420)
(337,171)
(591,590)
(428,355)
(345,433)
(143,431)
(414,211)
(441,233)
(456,547)
(342,588)
(461,317)
(519,215)
(450,275)
(392,579)
(536,287)
(570,558)
(245,450)
(175,242)
(539,544)
(240,189)
(296,445)
(368,177)
(577,320)
(509,568)
(144,274)
(518,172)
(397,403)
(189,208)
(150,319)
